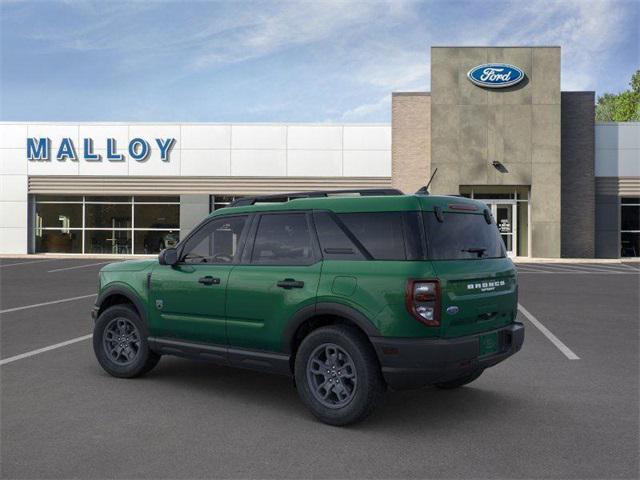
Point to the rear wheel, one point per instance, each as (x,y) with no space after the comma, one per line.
(460,381)
(337,375)
(120,343)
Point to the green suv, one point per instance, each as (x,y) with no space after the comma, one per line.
(347,292)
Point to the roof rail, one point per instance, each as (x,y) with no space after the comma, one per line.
(285,197)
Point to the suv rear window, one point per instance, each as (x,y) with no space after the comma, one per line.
(462,236)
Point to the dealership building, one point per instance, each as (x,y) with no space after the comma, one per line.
(496,126)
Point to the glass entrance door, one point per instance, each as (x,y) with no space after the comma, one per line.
(506,219)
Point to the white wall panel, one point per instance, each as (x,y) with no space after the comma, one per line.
(206,136)
(13,240)
(367,137)
(314,163)
(629,135)
(258,136)
(14,214)
(314,137)
(253,163)
(154,166)
(151,132)
(13,161)
(618,149)
(13,136)
(606,136)
(104,166)
(13,188)
(198,163)
(362,163)
(52,167)
(629,163)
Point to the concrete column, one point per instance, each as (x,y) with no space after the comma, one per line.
(193,209)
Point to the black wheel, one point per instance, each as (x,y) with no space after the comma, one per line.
(120,343)
(337,375)
(461,381)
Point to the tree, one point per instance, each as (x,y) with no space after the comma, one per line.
(623,107)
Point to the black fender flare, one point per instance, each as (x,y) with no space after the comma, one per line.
(126,292)
(326,308)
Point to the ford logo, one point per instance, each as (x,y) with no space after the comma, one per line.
(495,75)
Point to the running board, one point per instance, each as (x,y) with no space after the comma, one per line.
(259,360)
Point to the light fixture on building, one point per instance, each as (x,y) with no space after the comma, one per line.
(499,166)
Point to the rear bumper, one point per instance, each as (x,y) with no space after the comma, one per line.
(413,363)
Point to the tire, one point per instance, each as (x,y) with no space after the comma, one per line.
(356,386)
(460,381)
(132,357)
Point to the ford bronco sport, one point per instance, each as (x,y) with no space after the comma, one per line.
(348,294)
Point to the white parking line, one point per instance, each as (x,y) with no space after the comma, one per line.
(36,305)
(78,266)
(545,331)
(4,361)
(27,263)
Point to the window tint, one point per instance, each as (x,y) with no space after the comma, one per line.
(283,240)
(381,233)
(334,242)
(462,236)
(217,242)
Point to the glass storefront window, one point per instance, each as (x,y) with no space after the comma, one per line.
(107,215)
(59,215)
(157,216)
(155,199)
(111,224)
(630,227)
(152,241)
(108,241)
(58,241)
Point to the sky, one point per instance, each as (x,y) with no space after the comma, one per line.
(261,61)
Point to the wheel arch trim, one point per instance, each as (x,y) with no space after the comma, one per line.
(128,293)
(326,308)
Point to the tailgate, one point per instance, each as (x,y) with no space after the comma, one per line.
(476,295)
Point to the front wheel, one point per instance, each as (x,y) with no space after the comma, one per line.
(338,376)
(120,343)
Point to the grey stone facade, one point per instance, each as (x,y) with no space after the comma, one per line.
(519,126)
(193,209)
(578,175)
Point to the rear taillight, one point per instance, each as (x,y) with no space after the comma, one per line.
(422,299)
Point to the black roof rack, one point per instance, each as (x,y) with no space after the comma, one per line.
(285,197)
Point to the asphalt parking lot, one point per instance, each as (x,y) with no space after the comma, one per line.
(566,406)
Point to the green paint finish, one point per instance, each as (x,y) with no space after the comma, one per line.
(246,307)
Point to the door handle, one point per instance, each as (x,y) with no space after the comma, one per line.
(289,283)
(209,280)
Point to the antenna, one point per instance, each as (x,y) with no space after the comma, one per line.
(425,190)
(431,179)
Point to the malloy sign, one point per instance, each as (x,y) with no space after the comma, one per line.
(40,149)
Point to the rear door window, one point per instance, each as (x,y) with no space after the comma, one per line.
(283,239)
(462,236)
(334,242)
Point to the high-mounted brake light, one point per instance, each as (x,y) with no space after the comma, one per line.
(422,299)
(462,206)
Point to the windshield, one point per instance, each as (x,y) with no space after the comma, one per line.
(462,236)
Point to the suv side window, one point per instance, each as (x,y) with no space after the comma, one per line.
(387,235)
(334,242)
(283,239)
(217,242)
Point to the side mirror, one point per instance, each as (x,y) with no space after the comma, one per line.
(168,256)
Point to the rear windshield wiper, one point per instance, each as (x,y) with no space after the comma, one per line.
(479,251)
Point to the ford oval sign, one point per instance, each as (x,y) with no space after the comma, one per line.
(495,75)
